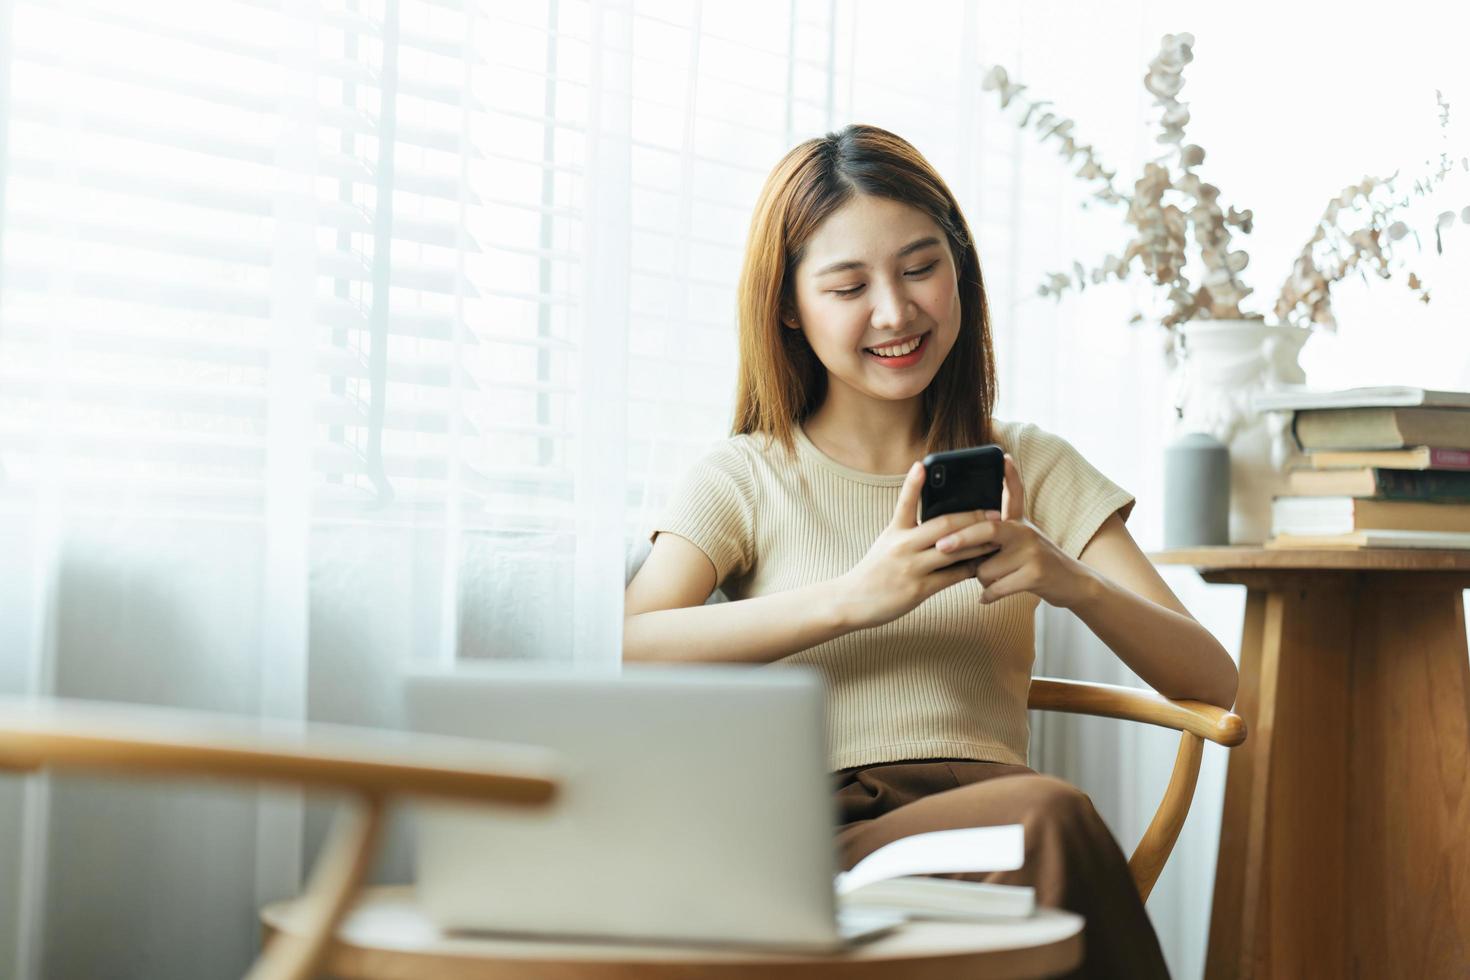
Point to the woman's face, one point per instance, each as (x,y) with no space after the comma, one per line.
(878,275)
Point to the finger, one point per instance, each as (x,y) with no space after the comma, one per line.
(982,532)
(947,577)
(992,532)
(1013,496)
(1005,586)
(933,560)
(906,512)
(936,529)
(997,567)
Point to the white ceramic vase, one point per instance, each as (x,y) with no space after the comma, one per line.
(1221,365)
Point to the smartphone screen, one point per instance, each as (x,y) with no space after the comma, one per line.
(962,479)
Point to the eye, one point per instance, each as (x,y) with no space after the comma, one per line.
(852,291)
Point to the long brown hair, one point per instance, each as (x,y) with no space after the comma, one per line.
(781,380)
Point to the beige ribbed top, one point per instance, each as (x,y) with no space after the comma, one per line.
(948,679)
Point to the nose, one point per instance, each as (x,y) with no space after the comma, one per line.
(892,308)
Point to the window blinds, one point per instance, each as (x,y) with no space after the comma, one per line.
(436,153)
(149,163)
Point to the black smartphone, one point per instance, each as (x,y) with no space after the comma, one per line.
(962,479)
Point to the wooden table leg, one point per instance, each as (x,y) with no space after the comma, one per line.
(1302,912)
(1345,839)
(1229,928)
(1408,816)
(1279,899)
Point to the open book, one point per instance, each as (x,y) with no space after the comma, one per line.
(891,878)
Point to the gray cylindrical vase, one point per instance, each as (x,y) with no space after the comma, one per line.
(1196,492)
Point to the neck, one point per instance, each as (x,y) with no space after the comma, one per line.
(868,435)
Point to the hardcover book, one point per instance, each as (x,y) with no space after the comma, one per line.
(1372,539)
(1293,399)
(1342,515)
(1381,428)
(1414,458)
(1442,486)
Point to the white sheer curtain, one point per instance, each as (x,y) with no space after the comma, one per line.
(329,333)
(320,354)
(338,334)
(302,375)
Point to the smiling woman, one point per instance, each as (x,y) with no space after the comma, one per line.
(882,323)
(865,343)
(844,259)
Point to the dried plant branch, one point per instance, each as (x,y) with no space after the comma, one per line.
(1049,125)
(1334,252)
(1176,216)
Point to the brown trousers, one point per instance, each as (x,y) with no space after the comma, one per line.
(1072,860)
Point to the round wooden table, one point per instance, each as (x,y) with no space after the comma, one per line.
(1344,848)
(385,937)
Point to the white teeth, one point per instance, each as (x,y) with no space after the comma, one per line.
(898,350)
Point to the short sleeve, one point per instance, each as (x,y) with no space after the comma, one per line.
(713,506)
(1066,496)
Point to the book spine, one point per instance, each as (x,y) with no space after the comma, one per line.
(1444,486)
(1449,459)
(1347,428)
(1365,429)
(1409,515)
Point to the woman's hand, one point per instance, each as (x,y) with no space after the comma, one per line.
(1027,561)
(903,568)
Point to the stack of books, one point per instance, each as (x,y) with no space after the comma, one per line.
(1384,468)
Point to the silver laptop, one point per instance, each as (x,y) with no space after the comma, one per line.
(696,807)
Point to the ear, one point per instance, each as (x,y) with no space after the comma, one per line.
(789,320)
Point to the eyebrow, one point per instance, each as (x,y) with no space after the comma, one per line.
(854,264)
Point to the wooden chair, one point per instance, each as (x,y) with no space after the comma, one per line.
(369,767)
(1194,720)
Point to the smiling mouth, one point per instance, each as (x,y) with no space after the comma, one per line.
(902,349)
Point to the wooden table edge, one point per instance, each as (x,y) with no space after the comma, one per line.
(459,958)
(1241,557)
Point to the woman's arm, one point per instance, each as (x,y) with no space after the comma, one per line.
(1129,606)
(664,617)
(1113,588)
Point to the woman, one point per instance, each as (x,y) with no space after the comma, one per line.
(865,344)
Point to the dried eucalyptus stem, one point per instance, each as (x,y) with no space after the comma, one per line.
(1049,125)
(1333,252)
(1176,215)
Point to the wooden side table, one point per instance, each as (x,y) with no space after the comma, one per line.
(1345,839)
(385,937)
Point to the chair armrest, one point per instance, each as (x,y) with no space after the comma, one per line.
(1195,719)
(1111,701)
(135,739)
